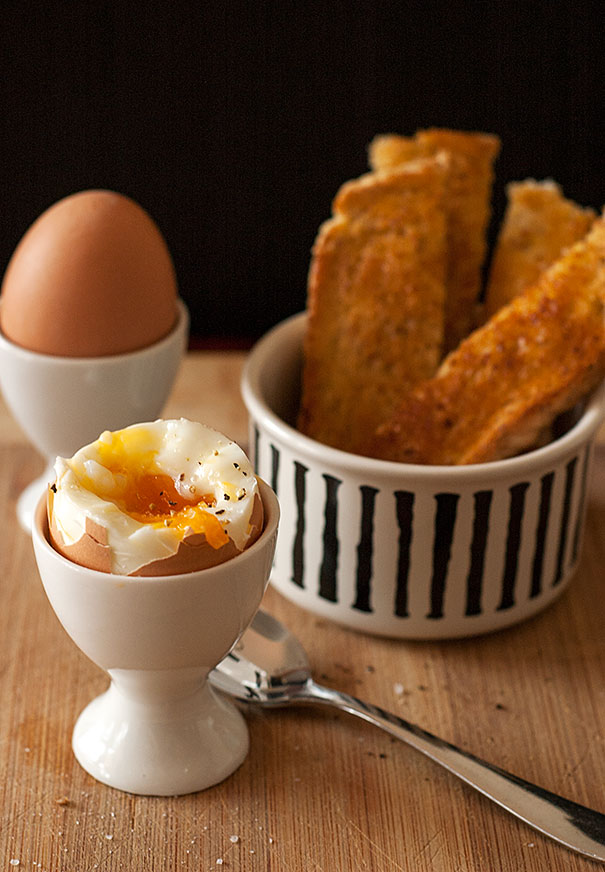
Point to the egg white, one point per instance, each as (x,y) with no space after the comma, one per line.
(198,458)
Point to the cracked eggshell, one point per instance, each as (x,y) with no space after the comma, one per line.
(193,553)
(108,509)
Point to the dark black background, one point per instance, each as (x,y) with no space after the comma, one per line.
(234,123)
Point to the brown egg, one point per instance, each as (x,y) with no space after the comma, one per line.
(91,277)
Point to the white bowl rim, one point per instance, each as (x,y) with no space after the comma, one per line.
(180,326)
(272,514)
(579,434)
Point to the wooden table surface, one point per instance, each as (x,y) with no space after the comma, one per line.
(319,791)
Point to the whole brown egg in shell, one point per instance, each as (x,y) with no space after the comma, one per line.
(92,277)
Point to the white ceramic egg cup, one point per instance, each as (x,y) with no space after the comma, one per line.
(160,729)
(63,403)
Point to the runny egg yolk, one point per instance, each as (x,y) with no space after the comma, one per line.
(150,496)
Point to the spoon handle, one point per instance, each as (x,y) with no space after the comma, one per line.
(579,828)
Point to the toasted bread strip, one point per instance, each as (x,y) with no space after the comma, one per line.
(538,225)
(467,206)
(388,151)
(535,358)
(375,301)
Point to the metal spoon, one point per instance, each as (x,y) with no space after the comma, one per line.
(269,667)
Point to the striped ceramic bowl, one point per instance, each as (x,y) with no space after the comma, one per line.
(409,551)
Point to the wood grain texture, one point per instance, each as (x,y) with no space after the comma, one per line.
(318,791)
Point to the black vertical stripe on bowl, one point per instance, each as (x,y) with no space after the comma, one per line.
(546,483)
(474,583)
(275,456)
(255,449)
(329,563)
(443,534)
(404,503)
(365,549)
(298,559)
(513,543)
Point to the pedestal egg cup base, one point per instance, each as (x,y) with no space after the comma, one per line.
(160,749)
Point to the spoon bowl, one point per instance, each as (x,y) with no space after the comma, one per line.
(268,667)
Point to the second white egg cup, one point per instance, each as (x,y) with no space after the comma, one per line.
(160,729)
(63,403)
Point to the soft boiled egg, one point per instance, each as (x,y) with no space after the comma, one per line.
(92,277)
(158,498)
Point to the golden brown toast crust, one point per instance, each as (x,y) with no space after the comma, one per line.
(468,210)
(375,301)
(538,225)
(493,396)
